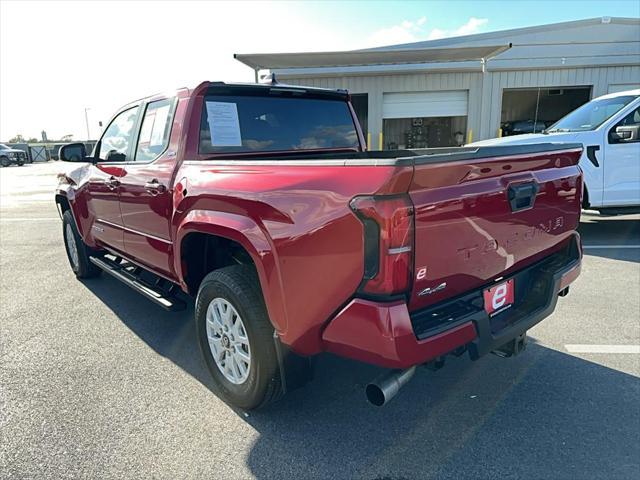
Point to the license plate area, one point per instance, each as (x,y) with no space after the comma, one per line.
(532,291)
(499,298)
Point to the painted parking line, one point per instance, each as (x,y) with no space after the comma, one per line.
(597,247)
(602,348)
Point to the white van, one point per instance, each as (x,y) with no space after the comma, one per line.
(609,129)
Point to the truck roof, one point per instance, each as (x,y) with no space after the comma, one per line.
(625,93)
(185,91)
(279,86)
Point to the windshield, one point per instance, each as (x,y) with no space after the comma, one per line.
(244,124)
(591,115)
(3,147)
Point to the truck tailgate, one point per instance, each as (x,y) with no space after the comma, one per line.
(484,213)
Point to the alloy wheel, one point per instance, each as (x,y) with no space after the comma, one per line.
(228,341)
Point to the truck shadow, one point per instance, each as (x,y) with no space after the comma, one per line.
(170,334)
(543,414)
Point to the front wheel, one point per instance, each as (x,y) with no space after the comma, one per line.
(77,250)
(4,161)
(236,337)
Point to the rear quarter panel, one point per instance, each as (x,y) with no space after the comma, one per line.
(311,260)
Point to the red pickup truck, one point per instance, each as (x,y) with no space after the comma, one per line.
(262,202)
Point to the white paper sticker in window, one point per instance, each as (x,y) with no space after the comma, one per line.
(224,125)
(159,126)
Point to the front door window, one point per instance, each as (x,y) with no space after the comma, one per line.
(114,145)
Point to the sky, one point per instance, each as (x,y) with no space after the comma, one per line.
(58,58)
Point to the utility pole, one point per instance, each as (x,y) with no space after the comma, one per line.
(86,119)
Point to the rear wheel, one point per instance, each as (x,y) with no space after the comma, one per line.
(236,337)
(77,250)
(4,161)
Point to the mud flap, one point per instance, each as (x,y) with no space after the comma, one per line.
(295,371)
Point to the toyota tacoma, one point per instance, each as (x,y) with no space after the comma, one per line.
(262,204)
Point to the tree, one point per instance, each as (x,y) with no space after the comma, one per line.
(17,139)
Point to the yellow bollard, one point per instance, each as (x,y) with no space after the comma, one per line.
(470,136)
(369,141)
(380,142)
(499,133)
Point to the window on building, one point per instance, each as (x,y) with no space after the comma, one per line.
(424,132)
(531,110)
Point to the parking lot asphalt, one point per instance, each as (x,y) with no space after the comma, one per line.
(97,382)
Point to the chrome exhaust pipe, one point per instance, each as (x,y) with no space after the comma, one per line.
(384,388)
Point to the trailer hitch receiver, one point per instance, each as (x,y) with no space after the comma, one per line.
(512,347)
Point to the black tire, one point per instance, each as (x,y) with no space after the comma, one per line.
(20,164)
(239,286)
(83,268)
(4,161)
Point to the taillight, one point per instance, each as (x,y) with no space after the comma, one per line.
(388,243)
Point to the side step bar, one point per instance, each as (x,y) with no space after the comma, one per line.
(130,275)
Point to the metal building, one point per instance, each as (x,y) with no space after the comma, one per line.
(454,90)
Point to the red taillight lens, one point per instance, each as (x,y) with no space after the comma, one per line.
(388,243)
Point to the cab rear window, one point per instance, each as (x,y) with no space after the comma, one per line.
(246,124)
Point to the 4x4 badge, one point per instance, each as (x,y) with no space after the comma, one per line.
(429,291)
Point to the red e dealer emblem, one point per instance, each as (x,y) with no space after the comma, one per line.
(497,299)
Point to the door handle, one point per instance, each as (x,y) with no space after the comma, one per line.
(112,182)
(154,187)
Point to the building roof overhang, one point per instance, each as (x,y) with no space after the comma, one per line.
(272,61)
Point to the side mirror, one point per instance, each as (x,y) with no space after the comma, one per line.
(623,134)
(73,152)
(115,156)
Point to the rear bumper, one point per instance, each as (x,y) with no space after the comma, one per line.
(387,335)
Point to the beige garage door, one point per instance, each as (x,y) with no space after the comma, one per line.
(449,103)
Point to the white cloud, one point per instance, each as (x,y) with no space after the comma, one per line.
(473,25)
(410,31)
(436,33)
(406,32)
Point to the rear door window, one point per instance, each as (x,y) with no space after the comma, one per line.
(245,124)
(155,130)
